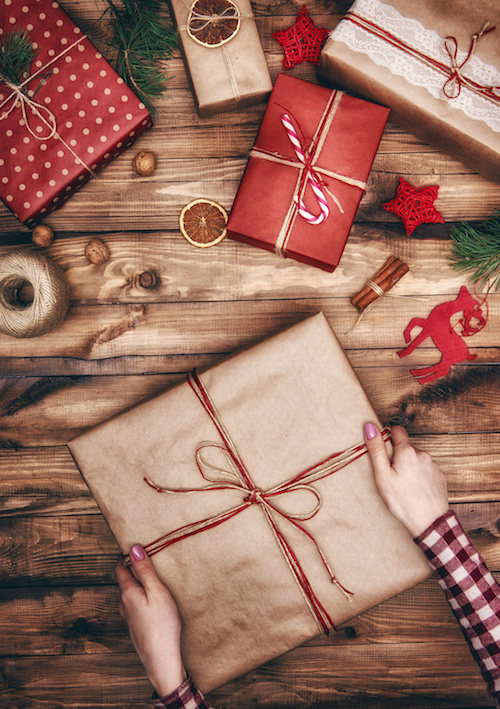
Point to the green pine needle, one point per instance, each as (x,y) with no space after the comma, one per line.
(142,38)
(16,57)
(476,251)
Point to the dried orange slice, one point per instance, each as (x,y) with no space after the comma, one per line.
(213,22)
(203,222)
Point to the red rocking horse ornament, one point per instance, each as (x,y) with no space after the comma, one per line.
(439,328)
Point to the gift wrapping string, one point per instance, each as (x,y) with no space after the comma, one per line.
(21,100)
(210,19)
(454,76)
(307,167)
(237,477)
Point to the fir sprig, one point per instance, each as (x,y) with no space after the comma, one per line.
(476,251)
(142,37)
(16,57)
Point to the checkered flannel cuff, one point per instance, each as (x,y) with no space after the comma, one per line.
(471,590)
(184,697)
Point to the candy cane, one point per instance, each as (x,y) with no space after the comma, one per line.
(311,177)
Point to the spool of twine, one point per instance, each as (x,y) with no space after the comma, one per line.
(25,270)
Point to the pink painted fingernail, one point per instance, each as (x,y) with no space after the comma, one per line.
(370,431)
(137,552)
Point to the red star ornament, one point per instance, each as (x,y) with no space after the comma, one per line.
(302,41)
(414,205)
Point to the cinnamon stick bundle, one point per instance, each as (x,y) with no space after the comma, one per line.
(385,278)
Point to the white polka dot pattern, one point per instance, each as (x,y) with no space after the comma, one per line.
(97,116)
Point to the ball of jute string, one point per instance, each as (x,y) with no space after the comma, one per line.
(19,269)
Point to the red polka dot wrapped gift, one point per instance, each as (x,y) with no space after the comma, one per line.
(69,118)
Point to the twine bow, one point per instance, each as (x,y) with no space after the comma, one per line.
(453,85)
(233,475)
(21,100)
(230,13)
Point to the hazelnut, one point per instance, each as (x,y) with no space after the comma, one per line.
(97,252)
(42,235)
(144,163)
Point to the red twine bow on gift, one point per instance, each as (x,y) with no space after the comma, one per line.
(453,86)
(455,80)
(237,477)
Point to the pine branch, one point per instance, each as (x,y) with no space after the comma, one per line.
(16,57)
(142,38)
(476,251)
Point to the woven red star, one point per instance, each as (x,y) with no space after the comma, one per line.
(414,205)
(302,41)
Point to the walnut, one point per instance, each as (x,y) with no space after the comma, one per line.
(42,235)
(144,163)
(97,252)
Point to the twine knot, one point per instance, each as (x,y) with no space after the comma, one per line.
(453,85)
(255,497)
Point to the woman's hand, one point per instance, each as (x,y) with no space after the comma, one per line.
(412,485)
(153,622)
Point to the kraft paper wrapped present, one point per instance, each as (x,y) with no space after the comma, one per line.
(268,448)
(435,64)
(307,172)
(222,53)
(75,115)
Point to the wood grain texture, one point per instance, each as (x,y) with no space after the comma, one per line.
(63,644)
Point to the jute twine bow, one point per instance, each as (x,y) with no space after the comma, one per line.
(453,85)
(51,295)
(454,77)
(309,172)
(235,476)
(20,99)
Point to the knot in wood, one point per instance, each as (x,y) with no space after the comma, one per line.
(147,280)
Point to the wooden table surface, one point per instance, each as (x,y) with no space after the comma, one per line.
(62,641)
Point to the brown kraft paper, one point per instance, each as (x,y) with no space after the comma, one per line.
(436,121)
(224,77)
(287,403)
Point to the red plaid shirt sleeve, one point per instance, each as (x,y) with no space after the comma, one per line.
(471,590)
(184,697)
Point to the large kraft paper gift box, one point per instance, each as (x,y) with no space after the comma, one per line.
(307,172)
(222,53)
(285,405)
(422,60)
(75,115)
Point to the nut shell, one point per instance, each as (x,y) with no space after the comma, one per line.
(144,163)
(97,252)
(42,235)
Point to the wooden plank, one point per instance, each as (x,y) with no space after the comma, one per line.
(400,676)
(74,620)
(233,271)
(80,549)
(156,203)
(101,332)
(465,402)
(45,481)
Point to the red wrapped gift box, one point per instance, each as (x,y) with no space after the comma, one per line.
(338,136)
(84,114)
